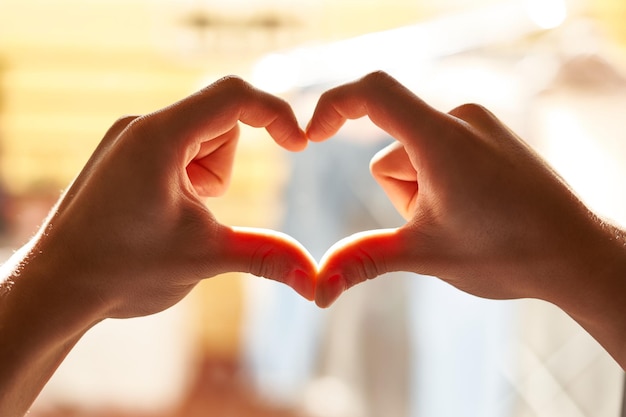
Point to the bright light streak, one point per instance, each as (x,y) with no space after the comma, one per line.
(547,14)
(276,73)
(408,50)
(572,145)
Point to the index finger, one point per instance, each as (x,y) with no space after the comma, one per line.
(389,105)
(217,108)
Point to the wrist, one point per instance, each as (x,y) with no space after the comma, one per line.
(39,311)
(40,321)
(594,286)
(45,291)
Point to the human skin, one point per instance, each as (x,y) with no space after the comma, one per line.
(133,235)
(484,212)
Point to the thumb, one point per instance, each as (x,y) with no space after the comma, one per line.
(270,254)
(358,258)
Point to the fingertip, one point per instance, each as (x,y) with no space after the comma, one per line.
(329,289)
(302,282)
(313,133)
(290,137)
(298,141)
(356,259)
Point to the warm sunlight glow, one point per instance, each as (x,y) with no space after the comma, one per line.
(547,14)
(276,73)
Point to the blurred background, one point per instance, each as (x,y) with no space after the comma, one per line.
(402,345)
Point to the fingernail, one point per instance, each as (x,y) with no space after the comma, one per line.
(329,291)
(302,283)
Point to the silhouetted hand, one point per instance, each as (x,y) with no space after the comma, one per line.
(132,235)
(483,212)
(134,226)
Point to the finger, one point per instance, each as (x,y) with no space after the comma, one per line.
(389,105)
(360,257)
(217,108)
(392,169)
(211,169)
(269,254)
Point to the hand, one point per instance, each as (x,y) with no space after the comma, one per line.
(132,235)
(483,211)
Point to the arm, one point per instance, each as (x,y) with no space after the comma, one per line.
(483,212)
(132,235)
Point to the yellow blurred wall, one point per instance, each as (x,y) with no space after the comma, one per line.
(613,14)
(71,67)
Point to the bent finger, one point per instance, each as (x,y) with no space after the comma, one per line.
(210,170)
(216,109)
(389,105)
(392,169)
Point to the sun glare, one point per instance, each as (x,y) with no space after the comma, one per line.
(547,14)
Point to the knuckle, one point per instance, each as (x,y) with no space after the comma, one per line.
(233,83)
(140,123)
(142,127)
(120,125)
(124,121)
(471,112)
(231,79)
(377,78)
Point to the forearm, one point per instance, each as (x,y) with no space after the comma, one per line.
(594,288)
(39,325)
(27,365)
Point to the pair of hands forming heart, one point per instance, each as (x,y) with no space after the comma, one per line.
(483,211)
(132,235)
